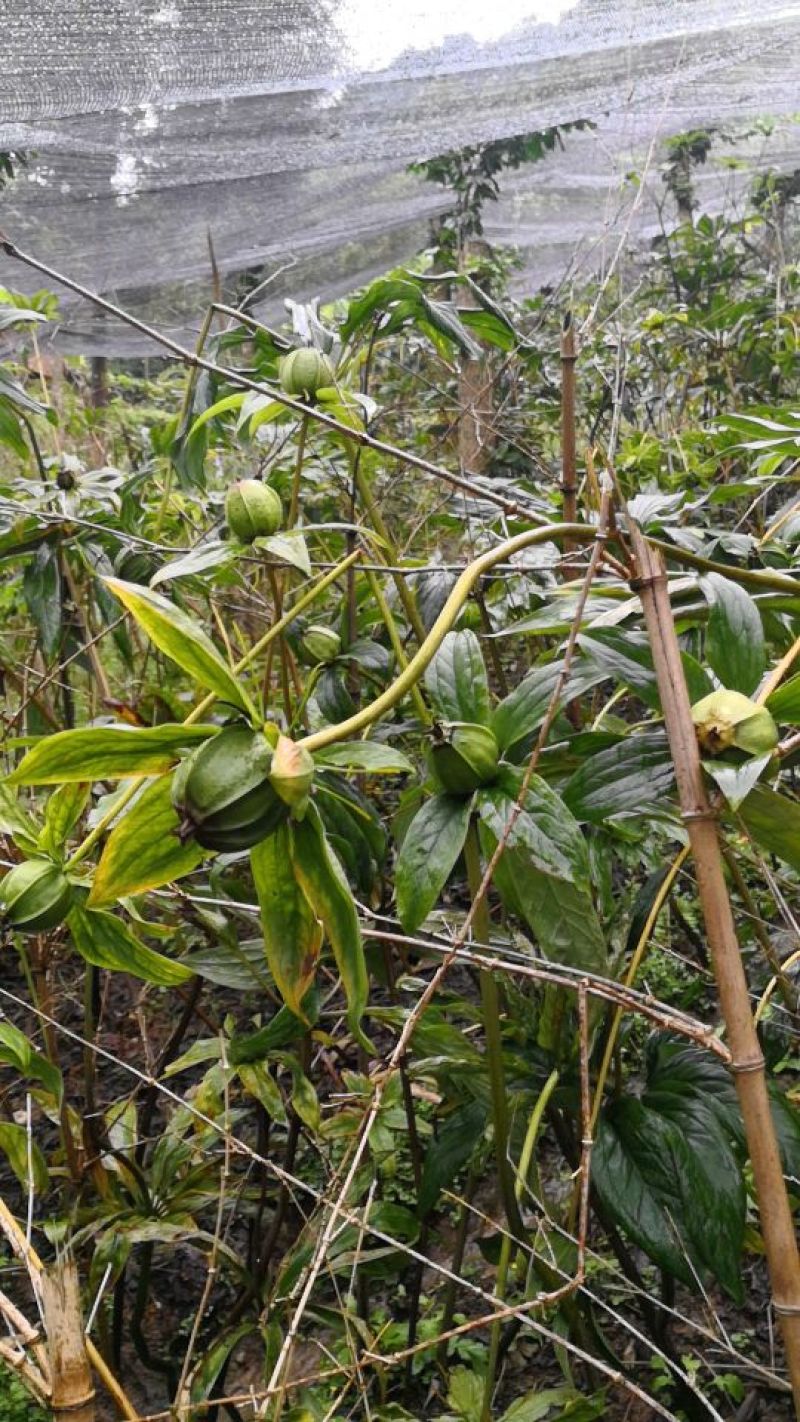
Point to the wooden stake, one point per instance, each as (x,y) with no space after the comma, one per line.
(569,465)
(72,1396)
(747,1061)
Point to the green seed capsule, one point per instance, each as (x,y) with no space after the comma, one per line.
(303,372)
(252,510)
(223,794)
(465,758)
(35,896)
(728,719)
(320,644)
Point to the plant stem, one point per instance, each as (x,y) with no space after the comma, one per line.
(397,647)
(490,1004)
(294,500)
(443,624)
(529,1145)
(390,551)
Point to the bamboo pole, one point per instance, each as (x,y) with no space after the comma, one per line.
(72,1398)
(569,463)
(747,1061)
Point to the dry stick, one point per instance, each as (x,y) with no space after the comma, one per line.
(72,1397)
(191,358)
(569,467)
(747,1061)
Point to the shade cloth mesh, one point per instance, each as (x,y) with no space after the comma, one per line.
(270,128)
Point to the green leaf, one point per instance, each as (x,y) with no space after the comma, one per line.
(465,1394)
(14,820)
(734,636)
(18,1052)
(206,1372)
(177,634)
(628,778)
(256,1080)
(715,1215)
(24,1157)
(325,886)
(642,1170)
(286,548)
(221,407)
(784,704)
(199,560)
(561,916)
(143,850)
(106,753)
(736,781)
(544,831)
(63,810)
(431,846)
(774,822)
(456,680)
(41,585)
(538,1405)
(625,656)
(106,942)
(450,1151)
(238,964)
(523,710)
(543,873)
(373,757)
(292,935)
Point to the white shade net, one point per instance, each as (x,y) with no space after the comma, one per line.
(281,130)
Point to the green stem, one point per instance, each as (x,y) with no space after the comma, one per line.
(748,577)
(443,624)
(490,1004)
(294,501)
(531,1137)
(376,519)
(397,647)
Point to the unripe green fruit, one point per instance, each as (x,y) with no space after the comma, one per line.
(223,794)
(305,371)
(728,719)
(252,510)
(35,896)
(292,775)
(134,565)
(321,644)
(465,758)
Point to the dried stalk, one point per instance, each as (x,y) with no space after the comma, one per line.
(72,1397)
(569,465)
(747,1061)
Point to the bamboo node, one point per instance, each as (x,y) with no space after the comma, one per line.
(748,1064)
(702,813)
(76,1406)
(788,1310)
(652,581)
